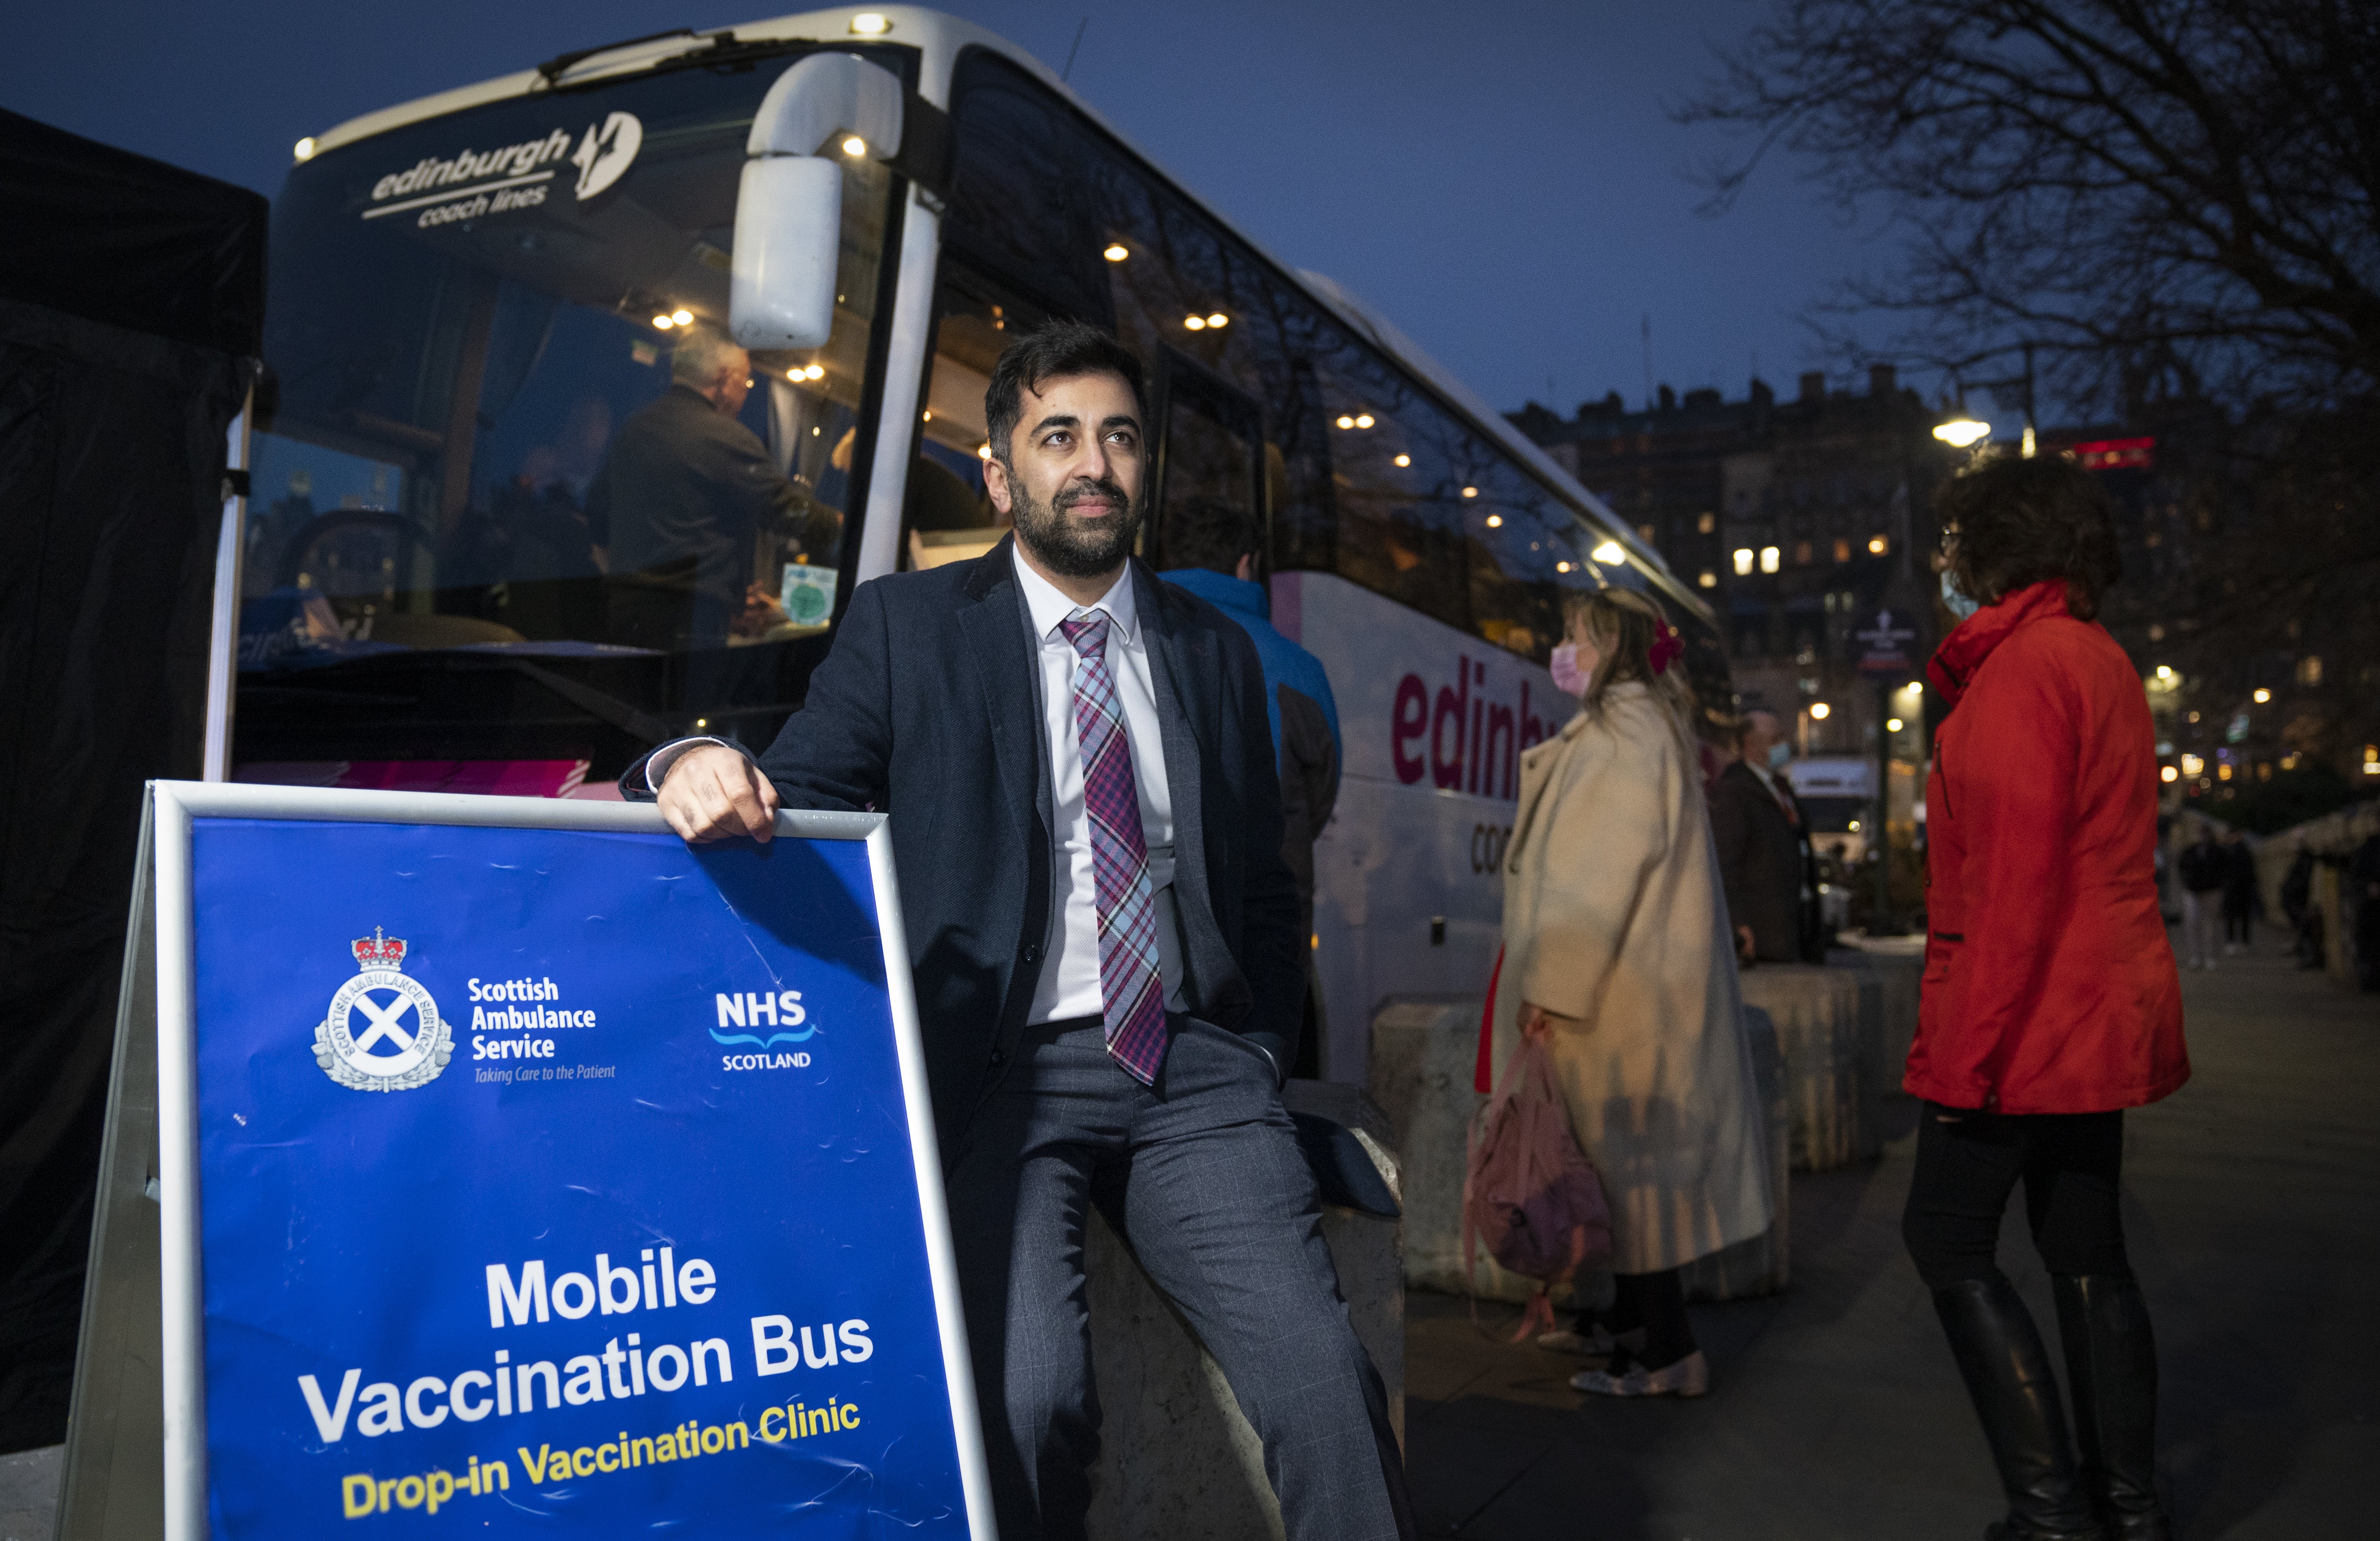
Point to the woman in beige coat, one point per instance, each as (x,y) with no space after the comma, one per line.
(1616,949)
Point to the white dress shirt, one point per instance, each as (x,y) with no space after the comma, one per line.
(1069,984)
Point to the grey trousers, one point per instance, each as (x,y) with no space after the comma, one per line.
(1201,1173)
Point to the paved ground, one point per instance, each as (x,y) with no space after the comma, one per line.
(2253,1216)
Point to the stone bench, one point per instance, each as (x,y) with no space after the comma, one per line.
(1827,1062)
(1177,1460)
(1424,1055)
(1892,969)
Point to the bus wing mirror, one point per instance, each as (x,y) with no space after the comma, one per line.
(789,205)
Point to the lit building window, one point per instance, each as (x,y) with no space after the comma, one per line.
(1878,545)
(2310,670)
(1842,549)
(1743,562)
(1801,553)
(1771,558)
(1706,524)
(1709,579)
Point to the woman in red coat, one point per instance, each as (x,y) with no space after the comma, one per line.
(2051,1003)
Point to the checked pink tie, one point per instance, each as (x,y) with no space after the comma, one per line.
(1129,982)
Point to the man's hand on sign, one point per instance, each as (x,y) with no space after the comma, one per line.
(714,793)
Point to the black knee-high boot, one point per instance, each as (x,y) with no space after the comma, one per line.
(2006,1367)
(2111,1369)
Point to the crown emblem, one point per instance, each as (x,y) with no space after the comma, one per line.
(378,950)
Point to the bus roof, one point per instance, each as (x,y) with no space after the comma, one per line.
(939,38)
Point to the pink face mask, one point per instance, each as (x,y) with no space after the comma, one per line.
(1568,677)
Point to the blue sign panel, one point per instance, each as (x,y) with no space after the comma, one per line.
(557,1182)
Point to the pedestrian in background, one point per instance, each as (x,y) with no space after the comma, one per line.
(2051,1003)
(2238,894)
(1764,847)
(2204,871)
(1618,953)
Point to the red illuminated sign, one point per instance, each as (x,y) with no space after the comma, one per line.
(2109,455)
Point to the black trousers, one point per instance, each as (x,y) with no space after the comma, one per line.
(1968,1164)
(1202,1175)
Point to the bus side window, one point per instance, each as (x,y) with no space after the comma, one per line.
(1210,451)
(945,514)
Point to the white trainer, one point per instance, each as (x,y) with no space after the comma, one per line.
(1689,1377)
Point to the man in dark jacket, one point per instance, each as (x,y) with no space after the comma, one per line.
(1087,821)
(1212,547)
(2204,870)
(1763,845)
(682,492)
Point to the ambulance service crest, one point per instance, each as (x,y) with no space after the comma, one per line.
(383,1032)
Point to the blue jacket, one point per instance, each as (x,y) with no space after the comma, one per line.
(1298,707)
(1284,661)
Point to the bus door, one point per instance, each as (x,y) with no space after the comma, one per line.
(1211,447)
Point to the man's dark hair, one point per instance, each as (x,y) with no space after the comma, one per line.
(2021,522)
(1061,349)
(1210,533)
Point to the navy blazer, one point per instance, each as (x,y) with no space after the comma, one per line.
(926,708)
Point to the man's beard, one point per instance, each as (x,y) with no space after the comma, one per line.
(1068,547)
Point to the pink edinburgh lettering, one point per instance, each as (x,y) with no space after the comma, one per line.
(1409,720)
(1474,743)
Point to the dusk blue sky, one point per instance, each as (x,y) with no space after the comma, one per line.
(1503,181)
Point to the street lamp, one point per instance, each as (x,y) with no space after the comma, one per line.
(1961,433)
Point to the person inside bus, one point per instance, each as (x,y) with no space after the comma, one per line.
(2050,1002)
(1109,978)
(1617,954)
(1213,545)
(1764,847)
(682,492)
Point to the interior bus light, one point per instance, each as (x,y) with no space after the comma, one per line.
(683,316)
(872,24)
(1193,323)
(1363,419)
(1404,460)
(1470,492)
(1116,253)
(983,451)
(1219,320)
(1609,553)
(663,322)
(1495,521)
(855,146)
(1876,545)
(304,149)
(1344,420)
(1819,711)
(1854,826)
(816,371)
(1561,567)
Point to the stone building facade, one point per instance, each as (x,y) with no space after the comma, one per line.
(1799,520)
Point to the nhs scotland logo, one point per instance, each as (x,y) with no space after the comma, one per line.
(401,1042)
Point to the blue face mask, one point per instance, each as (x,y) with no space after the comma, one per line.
(1954,597)
(1778,753)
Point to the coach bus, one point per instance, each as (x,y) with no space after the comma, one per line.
(471,292)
